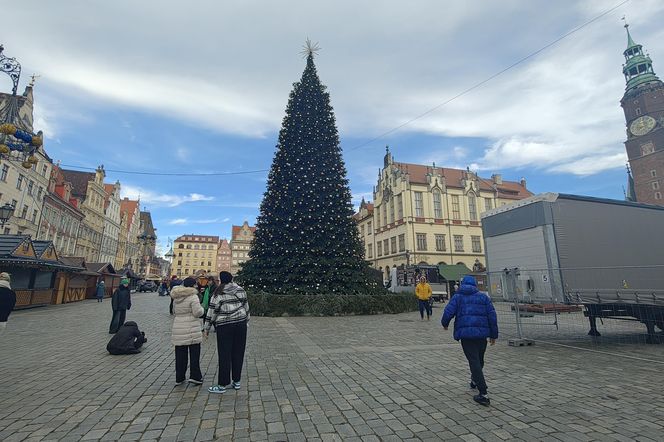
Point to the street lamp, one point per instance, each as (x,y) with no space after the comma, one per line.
(6,212)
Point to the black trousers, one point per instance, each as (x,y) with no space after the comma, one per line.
(231,343)
(118,320)
(193,353)
(474,350)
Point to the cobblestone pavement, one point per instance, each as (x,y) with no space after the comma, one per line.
(354,378)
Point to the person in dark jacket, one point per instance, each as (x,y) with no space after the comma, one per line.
(101,291)
(7,300)
(128,340)
(475,321)
(121,302)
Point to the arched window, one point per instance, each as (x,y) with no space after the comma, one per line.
(472,206)
(437,204)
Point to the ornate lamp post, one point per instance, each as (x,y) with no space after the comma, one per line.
(15,136)
(169,256)
(6,212)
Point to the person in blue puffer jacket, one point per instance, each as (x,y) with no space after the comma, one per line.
(475,321)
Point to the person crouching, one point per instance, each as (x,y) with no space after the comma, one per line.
(186,334)
(128,340)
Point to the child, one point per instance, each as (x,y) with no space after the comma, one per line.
(186,334)
(475,322)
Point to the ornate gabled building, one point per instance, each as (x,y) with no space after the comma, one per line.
(130,224)
(61,217)
(428,214)
(643,104)
(241,238)
(224,256)
(88,187)
(111,232)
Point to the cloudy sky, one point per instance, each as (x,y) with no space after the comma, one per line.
(201,86)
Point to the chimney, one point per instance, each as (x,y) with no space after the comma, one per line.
(523,182)
(497,178)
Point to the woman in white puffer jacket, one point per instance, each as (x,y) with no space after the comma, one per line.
(186,333)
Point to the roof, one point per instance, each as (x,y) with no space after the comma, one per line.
(201,238)
(41,247)
(79,181)
(148,227)
(129,206)
(237,229)
(9,243)
(454,272)
(100,267)
(417,173)
(73,261)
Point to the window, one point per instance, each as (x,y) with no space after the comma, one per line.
(477,244)
(392,210)
(181,246)
(24,213)
(31,184)
(421,241)
(456,212)
(402,242)
(362,230)
(3,174)
(393,244)
(386,247)
(179,262)
(637,111)
(369,229)
(19,182)
(440,243)
(437,204)
(419,209)
(472,206)
(384,207)
(655,185)
(399,206)
(647,149)
(14,202)
(488,204)
(369,251)
(44,170)
(653,173)
(34,217)
(658,196)
(458,243)
(379,248)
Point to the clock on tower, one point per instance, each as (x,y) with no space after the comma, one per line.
(643,104)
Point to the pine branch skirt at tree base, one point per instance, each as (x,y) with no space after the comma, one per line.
(264,304)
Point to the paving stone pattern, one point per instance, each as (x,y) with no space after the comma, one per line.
(378,378)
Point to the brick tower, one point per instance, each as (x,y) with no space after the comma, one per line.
(643,104)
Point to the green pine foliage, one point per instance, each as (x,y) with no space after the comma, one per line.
(306,240)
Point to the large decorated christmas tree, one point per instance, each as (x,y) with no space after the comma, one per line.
(306,239)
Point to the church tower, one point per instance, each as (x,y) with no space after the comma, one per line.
(643,104)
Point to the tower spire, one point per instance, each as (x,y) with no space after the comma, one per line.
(638,68)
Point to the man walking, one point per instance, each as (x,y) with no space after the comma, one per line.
(475,321)
(121,302)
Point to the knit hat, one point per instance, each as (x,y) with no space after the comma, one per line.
(4,276)
(124,281)
(225,277)
(189,282)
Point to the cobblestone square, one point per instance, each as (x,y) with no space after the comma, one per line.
(378,378)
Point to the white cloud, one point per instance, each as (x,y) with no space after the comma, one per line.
(560,107)
(160,199)
(182,221)
(178,221)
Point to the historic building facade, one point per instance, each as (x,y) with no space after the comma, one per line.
(428,214)
(241,238)
(643,104)
(24,188)
(195,254)
(130,223)
(88,187)
(224,256)
(111,232)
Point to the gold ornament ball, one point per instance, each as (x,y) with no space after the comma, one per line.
(4,148)
(37,141)
(33,159)
(7,129)
(26,164)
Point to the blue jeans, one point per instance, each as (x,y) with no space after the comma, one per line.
(425,305)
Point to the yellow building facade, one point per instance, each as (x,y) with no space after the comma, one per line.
(195,255)
(427,214)
(240,244)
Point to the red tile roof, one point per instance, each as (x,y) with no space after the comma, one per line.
(507,189)
(238,229)
(79,181)
(129,206)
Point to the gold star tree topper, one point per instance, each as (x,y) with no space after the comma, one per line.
(310,48)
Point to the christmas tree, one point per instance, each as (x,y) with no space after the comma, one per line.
(306,240)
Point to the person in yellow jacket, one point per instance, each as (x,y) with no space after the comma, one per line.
(423,293)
